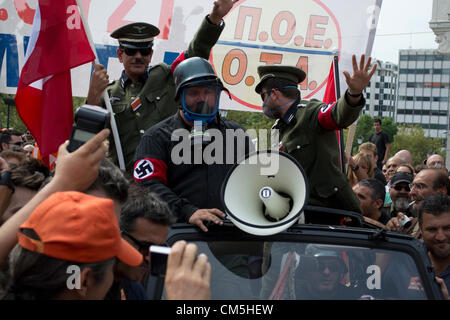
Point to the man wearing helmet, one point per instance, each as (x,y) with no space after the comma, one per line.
(144,96)
(186,157)
(322,270)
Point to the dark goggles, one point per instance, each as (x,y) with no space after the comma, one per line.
(333,266)
(131,52)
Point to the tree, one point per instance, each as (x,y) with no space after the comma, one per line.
(412,138)
(8,113)
(256,121)
(13,117)
(364,129)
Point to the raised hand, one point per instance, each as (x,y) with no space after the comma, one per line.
(220,10)
(361,76)
(99,82)
(79,169)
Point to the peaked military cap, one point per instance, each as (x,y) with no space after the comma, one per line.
(136,35)
(290,73)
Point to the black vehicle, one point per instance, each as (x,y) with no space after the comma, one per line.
(307,253)
(376,264)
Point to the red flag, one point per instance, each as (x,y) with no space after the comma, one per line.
(330,90)
(57,44)
(330,97)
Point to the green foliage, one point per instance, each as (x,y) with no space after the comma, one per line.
(13,120)
(253,120)
(78,102)
(413,138)
(364,129)
(390,128)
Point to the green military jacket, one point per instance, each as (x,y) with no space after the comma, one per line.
(303,136)
(156,94)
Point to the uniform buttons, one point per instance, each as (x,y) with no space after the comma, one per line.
(138,114)
(336,189)
(132,98)
(298,147)
(132,85)
(158,98)
(142,131)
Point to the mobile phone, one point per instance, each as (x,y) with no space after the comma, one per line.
(89,120)
(158,260)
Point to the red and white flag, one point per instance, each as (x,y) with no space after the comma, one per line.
(330,97)
(57,44)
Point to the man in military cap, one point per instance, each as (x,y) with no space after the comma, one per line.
(307,129)
(144,96)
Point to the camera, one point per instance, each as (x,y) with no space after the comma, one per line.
(158,260)
(89,120)
(405,221)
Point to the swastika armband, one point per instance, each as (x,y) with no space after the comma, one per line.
(326,120)
(146,169)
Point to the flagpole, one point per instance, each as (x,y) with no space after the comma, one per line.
(105,93)
(338,95)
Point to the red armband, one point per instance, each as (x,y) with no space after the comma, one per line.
(146,169)
(325,118)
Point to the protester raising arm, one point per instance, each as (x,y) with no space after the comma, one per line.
(85,160)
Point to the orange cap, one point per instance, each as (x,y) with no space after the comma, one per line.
(77,227)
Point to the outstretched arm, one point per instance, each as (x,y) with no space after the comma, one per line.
(220,9)
(67,177)
(360,78)
(209,30)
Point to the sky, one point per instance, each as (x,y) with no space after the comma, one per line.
(403,24)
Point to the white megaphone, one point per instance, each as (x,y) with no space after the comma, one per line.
(265,192)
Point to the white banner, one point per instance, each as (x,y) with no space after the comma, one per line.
(304,33)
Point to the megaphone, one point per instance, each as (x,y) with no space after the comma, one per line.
(265,192)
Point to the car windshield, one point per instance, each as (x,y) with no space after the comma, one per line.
(296,271)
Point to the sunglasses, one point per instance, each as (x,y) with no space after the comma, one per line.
(143,246)
(131,52)
(399,188)
(334,266)
(18,143)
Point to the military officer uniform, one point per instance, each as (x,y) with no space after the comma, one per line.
(307,132)
(139,106)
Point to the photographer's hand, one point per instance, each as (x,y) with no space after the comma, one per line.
(188,276)
(74,171)
(394,224)
(85,159)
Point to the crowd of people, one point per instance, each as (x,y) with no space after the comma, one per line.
(98,222)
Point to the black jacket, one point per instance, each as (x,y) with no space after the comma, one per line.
(196,182)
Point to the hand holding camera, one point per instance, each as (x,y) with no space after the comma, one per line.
(404,221)
(89,120)
(188,276)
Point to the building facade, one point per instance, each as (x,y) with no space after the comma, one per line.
(440,24)
(382,91)
(424,90)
